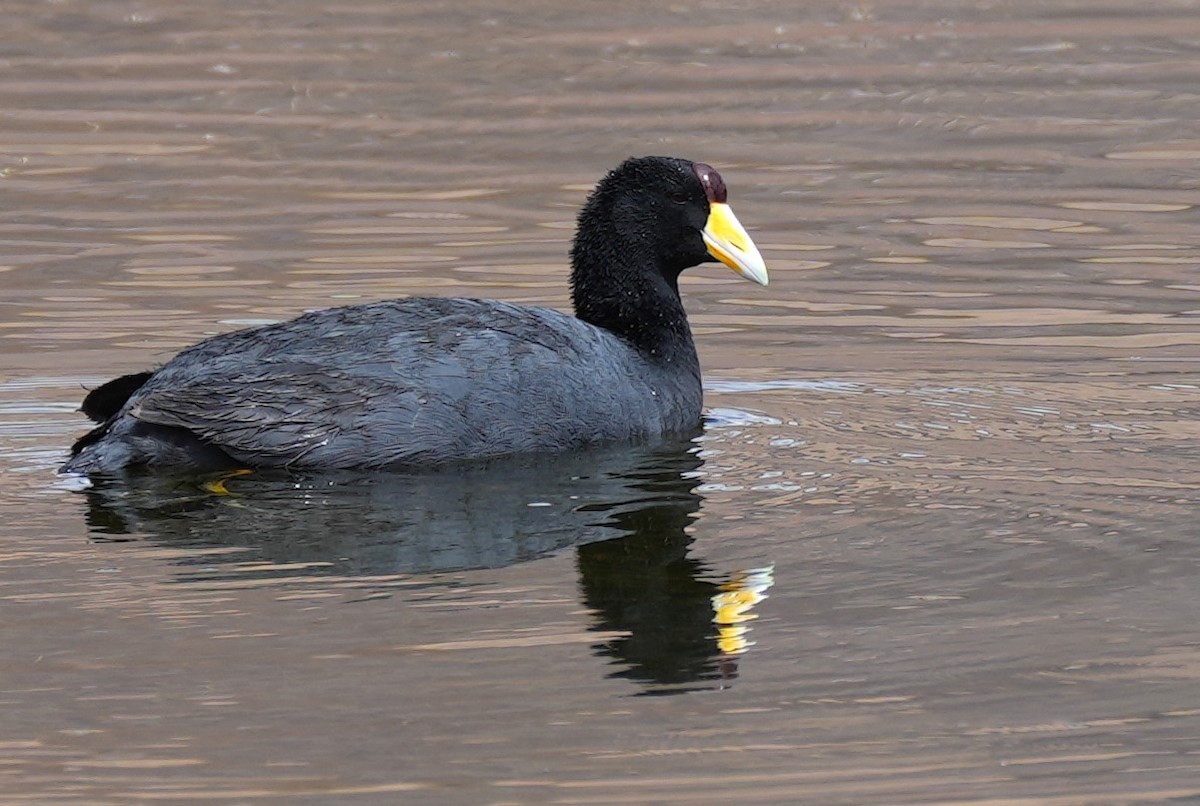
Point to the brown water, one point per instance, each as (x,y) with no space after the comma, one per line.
(950,473)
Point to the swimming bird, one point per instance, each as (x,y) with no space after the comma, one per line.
(429,381)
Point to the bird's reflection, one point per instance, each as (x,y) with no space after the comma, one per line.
(680,624)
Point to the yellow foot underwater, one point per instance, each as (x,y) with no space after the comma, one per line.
(217,485)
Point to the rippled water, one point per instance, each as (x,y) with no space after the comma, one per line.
(936,545)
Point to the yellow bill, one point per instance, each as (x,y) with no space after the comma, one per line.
(728,242)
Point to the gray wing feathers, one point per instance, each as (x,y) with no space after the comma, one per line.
(450,378)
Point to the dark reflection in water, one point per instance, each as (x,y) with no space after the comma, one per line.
(626,509)
(348,523)
(647,586)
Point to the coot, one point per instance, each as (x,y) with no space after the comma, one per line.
(430,381)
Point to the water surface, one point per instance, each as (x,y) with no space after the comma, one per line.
(936,545)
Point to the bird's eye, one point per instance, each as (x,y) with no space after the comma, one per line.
(679,197)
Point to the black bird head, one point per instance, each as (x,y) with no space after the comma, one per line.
(671,212)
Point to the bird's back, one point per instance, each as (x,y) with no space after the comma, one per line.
(405,382)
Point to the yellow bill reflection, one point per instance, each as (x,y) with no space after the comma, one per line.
(733,606)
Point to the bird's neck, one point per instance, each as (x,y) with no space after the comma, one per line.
(618,285)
